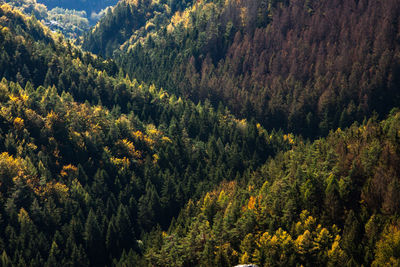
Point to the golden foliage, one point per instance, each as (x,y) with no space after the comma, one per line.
(5,30)
(305,243)
(241,124)
(184,17)
(336,253)
(18,123)
(120,162)
(166,139)
(16,170)
(53,188)
(289,138)
(5,112)
(68,169)
(164,234)
(243,16)
(23,216)
(153,132)
(24,97)
(277,243)
(6,8)
(245,258)
(31,146)
(251,204)
(206,202)
(155,158)
(19,99)
(133,2)
(10,166)
(163,95)
(222,198)
(130,148)
(387,249)
(222,194)
(50,119)
(14,98)
(138,135)
(254,204)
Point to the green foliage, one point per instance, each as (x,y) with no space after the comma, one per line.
(91,161)
(388,248)
(288,64)
(71,23)
(98,169)
(271,226)
(129,20)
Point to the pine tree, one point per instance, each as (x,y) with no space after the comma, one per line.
(94,242)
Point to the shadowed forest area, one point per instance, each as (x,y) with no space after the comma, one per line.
(202,133)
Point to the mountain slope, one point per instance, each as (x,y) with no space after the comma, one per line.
(129,20)
(93,161)
(332,202)
(98,169)
(304,66)
(71,23)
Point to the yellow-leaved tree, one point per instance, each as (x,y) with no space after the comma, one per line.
(387,251)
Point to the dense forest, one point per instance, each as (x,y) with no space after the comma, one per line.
(130,20)
(208,135)
(83,150)
(304,66)
(318,204)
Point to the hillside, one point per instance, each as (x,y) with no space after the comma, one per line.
(92,160)
(318,204)
(210,138)
(130,20)
(71,23)
(71,20)
(304,66)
